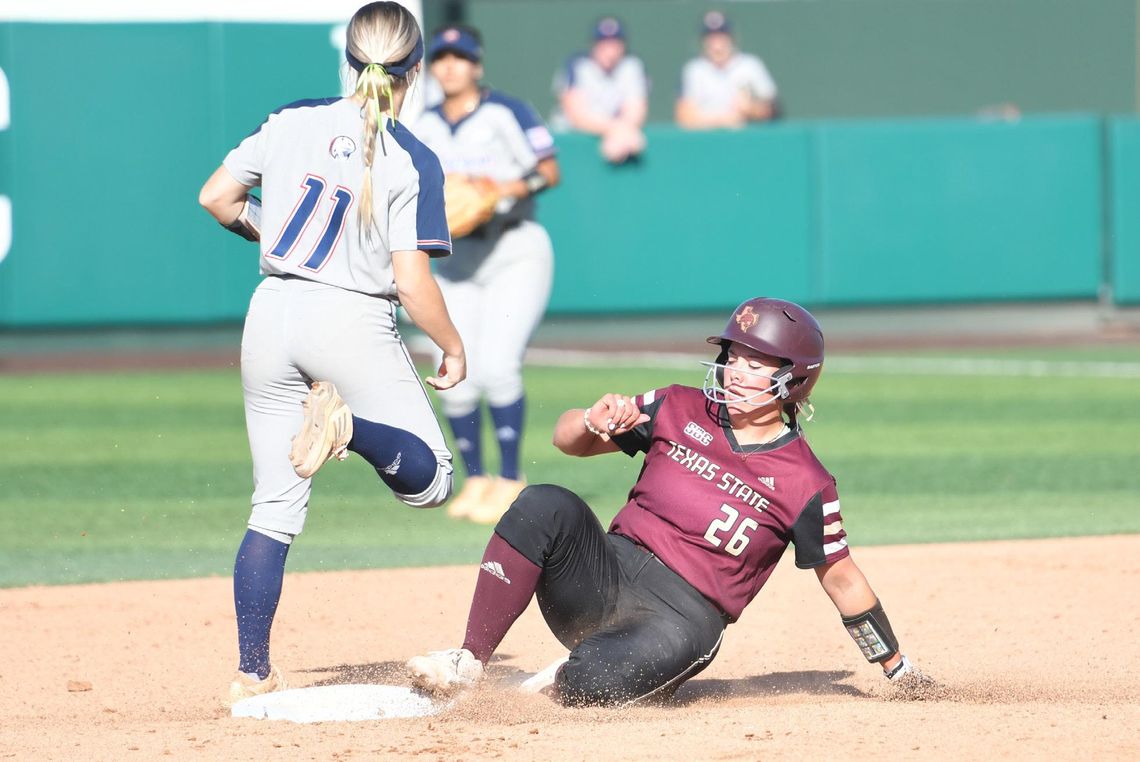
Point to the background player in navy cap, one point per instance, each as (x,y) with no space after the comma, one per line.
(728,482)
(605,93)
(352,210)
(498,282)
(723,87)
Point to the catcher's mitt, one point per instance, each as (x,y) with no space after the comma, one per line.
(470,202)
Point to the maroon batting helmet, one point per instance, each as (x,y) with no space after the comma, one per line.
(781,329)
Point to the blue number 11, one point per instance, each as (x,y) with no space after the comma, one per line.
(303,213)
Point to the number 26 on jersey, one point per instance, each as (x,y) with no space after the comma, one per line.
(312,194)
(739,539)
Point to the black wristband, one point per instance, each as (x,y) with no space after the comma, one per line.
(248,222)
(872,632)
(536,182)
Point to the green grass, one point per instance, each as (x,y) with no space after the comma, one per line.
(147,475)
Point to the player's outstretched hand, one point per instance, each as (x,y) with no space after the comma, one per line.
(618,412)
(452,370)
(910,684)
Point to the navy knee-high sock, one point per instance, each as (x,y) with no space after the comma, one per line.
(402,460)
(258,571)
(508,430)
(468,431)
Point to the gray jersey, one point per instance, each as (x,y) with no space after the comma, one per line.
(502,138)
(307,158)
(713,88)
(604,92)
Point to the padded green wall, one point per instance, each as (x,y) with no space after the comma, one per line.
(960,210)
(704,217)
(1125,134)
(833,213)
(114,129)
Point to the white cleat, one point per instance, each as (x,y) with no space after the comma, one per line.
(444,672)
(543,681)
(325,433)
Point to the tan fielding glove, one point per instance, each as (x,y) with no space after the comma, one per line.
(470,202)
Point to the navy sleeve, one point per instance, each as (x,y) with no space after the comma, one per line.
(432,234)
(569,71)
(531,124)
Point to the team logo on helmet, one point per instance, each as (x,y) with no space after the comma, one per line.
(609,26)
(715,20)
(746,318)
(342,147)
(451,35)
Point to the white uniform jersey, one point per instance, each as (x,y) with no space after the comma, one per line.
(604,92)
(713,88)
(502,138)
(308,159)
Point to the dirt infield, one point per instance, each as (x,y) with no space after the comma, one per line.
(1035,642)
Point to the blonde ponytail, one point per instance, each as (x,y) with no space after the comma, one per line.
(379,34)
(374,87)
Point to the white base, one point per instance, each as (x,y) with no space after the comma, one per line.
(337,703)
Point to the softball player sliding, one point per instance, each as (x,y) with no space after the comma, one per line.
(498,282)
(728,482)
(353,209)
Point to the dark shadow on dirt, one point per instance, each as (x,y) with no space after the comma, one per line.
(810,682)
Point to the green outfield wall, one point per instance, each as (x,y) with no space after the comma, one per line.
(114,127)
(959,210)
(1124,275)
(834,213)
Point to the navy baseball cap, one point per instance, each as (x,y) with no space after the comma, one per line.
(715,22)
(456,39)
(609,28)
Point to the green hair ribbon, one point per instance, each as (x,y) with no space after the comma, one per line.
(371,88)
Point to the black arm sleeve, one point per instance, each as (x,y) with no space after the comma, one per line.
(640,437)
(807,534)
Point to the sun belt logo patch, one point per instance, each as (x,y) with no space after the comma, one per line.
(746,318)
(697,433)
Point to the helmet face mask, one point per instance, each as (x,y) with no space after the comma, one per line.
(779,329)
(716,391)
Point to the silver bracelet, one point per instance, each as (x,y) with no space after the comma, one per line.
(589,426)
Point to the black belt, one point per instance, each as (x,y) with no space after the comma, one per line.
(494,228)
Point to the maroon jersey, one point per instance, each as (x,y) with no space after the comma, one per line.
(721,514)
